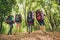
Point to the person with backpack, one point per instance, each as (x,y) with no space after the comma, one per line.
(40,19)
(10,21)
(18,20)
(30,21)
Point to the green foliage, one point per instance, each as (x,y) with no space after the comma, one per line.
(5,9)
(49,7)
(6,6)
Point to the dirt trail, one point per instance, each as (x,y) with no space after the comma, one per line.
(38,35)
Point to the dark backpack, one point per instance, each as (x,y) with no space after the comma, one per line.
(29,17)
(7,20)
(32,15)
(10,19)
(38,15)
(18,18)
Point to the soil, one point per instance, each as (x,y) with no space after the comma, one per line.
(38,35)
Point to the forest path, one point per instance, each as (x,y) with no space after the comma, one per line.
(38,35)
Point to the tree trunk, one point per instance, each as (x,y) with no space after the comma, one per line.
(1,22)
(24,8)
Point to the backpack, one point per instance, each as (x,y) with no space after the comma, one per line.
(32,18)
(10,19)
(18,18)
(7,20)
(39,15)
(29,17)
(33,15)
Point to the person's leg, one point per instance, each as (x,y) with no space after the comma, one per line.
(32,26)
(10,30)
(29,28)
(42,27)
(18,27)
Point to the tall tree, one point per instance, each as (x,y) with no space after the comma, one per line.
(5,9)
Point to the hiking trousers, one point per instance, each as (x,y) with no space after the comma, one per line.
(29,29)
(10,30)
